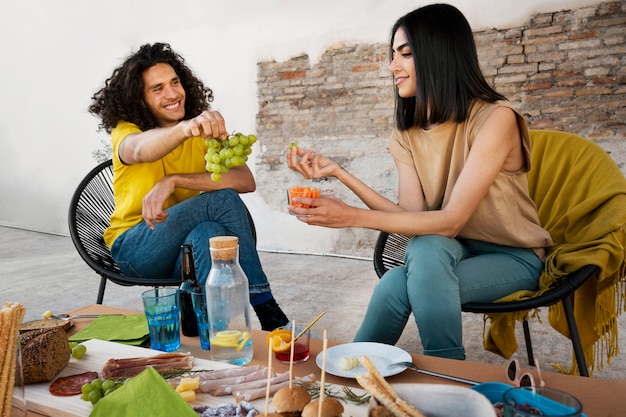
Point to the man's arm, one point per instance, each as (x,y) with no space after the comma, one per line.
(239,179)
(154,144)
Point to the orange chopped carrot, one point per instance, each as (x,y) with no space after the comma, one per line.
(305,192)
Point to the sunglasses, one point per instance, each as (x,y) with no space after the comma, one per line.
(519,379)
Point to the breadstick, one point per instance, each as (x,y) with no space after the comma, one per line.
(5,325)
(11,317)
(383,392)
(6,328)
(382,396)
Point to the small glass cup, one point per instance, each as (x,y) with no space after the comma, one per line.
(162,308)
(301,350)
(198,300)
(306,192)
(527,401)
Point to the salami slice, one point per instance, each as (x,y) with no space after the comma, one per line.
(71,384)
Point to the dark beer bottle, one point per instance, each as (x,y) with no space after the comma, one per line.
(188,321)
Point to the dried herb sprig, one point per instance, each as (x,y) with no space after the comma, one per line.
(354,397)
(181,372)
(345,394)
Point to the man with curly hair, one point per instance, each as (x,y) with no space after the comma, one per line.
(158,115)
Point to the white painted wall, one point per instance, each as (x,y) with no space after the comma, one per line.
(57,53)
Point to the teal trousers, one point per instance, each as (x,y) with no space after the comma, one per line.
(439,275)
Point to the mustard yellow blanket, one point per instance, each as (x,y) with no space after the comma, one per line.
(580,194)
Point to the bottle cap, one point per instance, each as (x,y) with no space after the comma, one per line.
(224,247)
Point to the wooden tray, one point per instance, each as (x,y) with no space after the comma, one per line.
(39,399)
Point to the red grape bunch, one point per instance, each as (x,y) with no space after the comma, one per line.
(224,154)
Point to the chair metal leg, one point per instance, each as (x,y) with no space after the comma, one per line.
(529,343)
(103,283)
(575,336)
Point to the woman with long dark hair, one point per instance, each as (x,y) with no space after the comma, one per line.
(462,154)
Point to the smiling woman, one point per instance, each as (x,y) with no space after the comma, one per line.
(460,150)
(402,65)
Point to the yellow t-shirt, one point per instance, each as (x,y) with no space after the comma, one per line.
(506,215)
(132,182)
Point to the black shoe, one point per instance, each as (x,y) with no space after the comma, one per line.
(270,315)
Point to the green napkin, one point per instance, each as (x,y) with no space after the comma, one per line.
(147,394)
(130,330)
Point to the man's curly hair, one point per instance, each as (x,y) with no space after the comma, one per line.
(121,98)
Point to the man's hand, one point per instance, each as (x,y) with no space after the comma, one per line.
(208,124)
(152,204)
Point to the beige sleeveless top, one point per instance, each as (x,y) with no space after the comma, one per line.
(507,215)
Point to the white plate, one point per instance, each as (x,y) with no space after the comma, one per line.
(442,400)
(380,354)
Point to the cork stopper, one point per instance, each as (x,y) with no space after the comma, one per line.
(224,247)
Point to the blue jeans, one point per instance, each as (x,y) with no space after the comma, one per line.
(440,274)
(143,252)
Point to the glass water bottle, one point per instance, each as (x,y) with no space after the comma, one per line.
(228,303)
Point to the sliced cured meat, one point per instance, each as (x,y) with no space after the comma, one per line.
(221,374)
(225,389)
(250,394)
(229,372)
(209,385)
(71,384)
(129,367)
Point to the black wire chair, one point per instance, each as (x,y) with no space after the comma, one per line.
(389,253)
(89,216)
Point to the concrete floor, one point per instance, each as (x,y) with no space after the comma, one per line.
(44,272)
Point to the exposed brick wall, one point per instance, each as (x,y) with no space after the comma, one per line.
(564,70)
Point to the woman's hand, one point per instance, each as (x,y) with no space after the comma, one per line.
(310,164)
(329,211)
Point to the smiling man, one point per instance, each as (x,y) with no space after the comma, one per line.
(158,114)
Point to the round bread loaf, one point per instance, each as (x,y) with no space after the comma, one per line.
(45,352)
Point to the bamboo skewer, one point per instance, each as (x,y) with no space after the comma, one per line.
(323,376)
(308,326)
(269,375)
(291,351)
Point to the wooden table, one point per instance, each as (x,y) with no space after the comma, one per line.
(600,398)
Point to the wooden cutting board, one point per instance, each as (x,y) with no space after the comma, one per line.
(39,399)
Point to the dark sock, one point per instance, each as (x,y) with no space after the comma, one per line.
(270,315)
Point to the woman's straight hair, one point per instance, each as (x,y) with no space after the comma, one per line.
(446,67)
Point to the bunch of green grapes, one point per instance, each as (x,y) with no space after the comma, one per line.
(98,388)
(224,154)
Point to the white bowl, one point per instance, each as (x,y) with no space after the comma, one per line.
(441,400)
